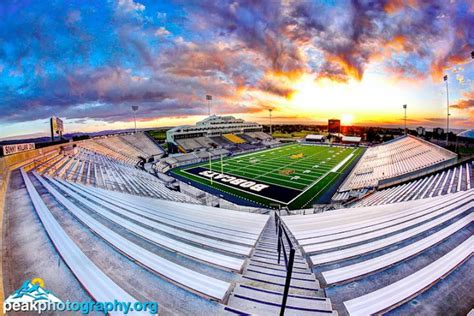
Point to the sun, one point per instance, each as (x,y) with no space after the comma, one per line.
(347,119)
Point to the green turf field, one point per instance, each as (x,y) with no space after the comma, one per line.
(293,175)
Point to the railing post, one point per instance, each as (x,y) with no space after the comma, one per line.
(279,243)
(289,271)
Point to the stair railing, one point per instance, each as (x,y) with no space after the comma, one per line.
(288,256)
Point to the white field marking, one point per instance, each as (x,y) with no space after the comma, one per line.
(291,163)
(307,171)
(250,175)
(236,188)
(339,165)
(255,154)
(267,198)
(313,184)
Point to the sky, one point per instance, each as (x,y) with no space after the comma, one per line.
(88,62)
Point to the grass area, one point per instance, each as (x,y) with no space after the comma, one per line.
(295,174)
(159,135)
(301,134)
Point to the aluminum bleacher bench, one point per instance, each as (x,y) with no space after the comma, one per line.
(245,230)
(204,285)
(388,241)
(141,217)
(417,213)
(346,220)
(175,245)
(233,222)
(99,286)
(396,293)
(359,269)
(388,228)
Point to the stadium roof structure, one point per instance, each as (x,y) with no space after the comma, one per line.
(212,125)
(352,139)
(315,137)
(467,134)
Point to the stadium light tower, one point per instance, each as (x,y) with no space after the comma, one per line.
(135,109)
(447,109)
(270,112)
(405,108)
(209,99)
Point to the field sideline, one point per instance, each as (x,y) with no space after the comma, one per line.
(293,175)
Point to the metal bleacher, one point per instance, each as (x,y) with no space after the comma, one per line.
(142,142)
(234,138)
(449,180)
(223,142)
(397,158)
(417,282)
(205,235)
(98,284)
(91,168)
(347,247)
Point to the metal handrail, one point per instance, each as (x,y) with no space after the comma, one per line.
(289,258)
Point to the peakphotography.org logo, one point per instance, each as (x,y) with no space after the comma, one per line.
(33,297)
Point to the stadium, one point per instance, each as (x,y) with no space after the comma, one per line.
(237,225)
(235,157)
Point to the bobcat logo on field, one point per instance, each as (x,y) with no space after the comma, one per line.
(287,172)
(297,156)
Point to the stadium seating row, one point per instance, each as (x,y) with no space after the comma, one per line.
(245,141)
(348,245)
(91,168)
(393,159)
(97,283)
(143,143)
(189,144)
(234,138)
(125,148)
(450,180)
(204,234)
(99,148)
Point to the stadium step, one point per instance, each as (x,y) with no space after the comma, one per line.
(260,290)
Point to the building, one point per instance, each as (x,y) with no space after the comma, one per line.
(420,130)
(438,131)
(334,126)
(212,126)
(315,138)
(353,140)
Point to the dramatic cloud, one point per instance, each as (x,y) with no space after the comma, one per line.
(85,60)
(467,103)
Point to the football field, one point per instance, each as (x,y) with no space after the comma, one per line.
(293,175)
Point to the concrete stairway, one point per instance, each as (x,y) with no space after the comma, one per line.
(260,290)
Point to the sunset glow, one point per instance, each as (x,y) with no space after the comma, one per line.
(309,61)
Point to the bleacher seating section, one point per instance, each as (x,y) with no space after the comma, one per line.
(189,144)
(349,246)
(125,148)
(206,142)
(234,138)
(223,142)
(91,168)
(143,143)
(205,235)
(260,135)
(393,159)
(249,138)
(449,180)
